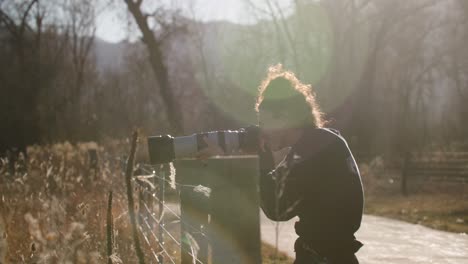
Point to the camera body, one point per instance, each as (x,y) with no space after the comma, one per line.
(165,148)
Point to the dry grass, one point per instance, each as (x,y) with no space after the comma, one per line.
(53,209)
(270,257)
(442,211)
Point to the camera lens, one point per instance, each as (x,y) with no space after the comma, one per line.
(161,149)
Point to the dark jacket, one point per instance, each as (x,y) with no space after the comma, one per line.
(318,181)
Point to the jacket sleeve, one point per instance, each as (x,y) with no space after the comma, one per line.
(279,187)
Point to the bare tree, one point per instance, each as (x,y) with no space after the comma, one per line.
(20,73)
(50,63)
(456,65)
(154,44)
(81,29)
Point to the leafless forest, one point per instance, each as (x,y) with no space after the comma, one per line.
(391,75)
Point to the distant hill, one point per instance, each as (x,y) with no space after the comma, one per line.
(108,55)
(111,56)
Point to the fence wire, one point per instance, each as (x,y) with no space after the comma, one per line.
(147,186)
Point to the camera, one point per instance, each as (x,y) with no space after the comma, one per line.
(165,148)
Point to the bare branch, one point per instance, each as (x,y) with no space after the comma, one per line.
(24,24)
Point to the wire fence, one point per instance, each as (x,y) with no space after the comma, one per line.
(208,213)
(161,223)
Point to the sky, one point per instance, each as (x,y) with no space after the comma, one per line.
(112,26)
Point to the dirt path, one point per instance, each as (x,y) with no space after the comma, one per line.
(387,241)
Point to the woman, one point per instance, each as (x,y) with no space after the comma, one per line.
(318,179)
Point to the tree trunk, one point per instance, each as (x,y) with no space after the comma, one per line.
(153,45)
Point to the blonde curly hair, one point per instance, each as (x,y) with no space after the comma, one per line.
(277,73)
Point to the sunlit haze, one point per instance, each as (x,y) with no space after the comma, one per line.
(111,27)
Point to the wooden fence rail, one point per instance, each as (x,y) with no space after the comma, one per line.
(434,167)
(419,168)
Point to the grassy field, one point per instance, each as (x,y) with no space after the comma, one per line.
(53,208)
(442,211)
(438,205)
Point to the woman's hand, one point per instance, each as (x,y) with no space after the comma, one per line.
(264,146)
(211,150)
